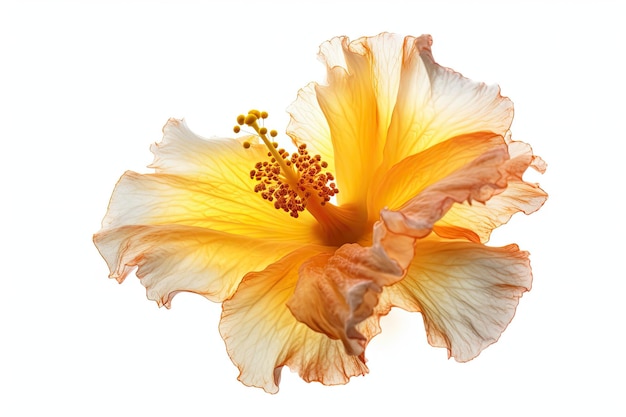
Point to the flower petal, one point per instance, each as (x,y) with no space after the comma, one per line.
(202,183)
(262,336)
(482,219)
(479,180)
(351,114)
(435,103)
(349,106)
(519,195)
(160,199)
(413,174)
(467,293)
(308,124)
(174,258)
(182,152)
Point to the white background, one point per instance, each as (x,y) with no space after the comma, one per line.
(85,88)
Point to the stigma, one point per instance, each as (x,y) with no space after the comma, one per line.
(291,181)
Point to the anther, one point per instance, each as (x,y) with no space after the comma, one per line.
(250,119)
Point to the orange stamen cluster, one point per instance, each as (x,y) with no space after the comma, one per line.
(289,181)
(293,198)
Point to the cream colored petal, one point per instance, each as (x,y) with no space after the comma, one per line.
(435,103)
(308,125)
(466,292)
(222,160)
(173,258)
(262,336)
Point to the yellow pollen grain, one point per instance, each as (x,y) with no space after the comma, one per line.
(250,119)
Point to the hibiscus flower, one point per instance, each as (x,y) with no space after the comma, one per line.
(400,170)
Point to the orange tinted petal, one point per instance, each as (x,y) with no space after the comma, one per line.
(173,258)
(336,292)
(350,115)
(518,196)
(413,174)
(478,181)
(466,292)
(262,335)
(349,106)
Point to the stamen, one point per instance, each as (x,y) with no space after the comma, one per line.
(293,181)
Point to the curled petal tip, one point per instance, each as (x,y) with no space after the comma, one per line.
(424,42)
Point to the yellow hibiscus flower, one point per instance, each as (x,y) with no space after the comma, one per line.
(402,169)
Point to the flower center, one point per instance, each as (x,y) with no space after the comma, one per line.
(298,181)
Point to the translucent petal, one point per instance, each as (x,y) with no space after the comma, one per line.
(262,336)
(467,292)
(435,103)
(308,125)
(349,106)
(161,199)
(174,258)
(222,160)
